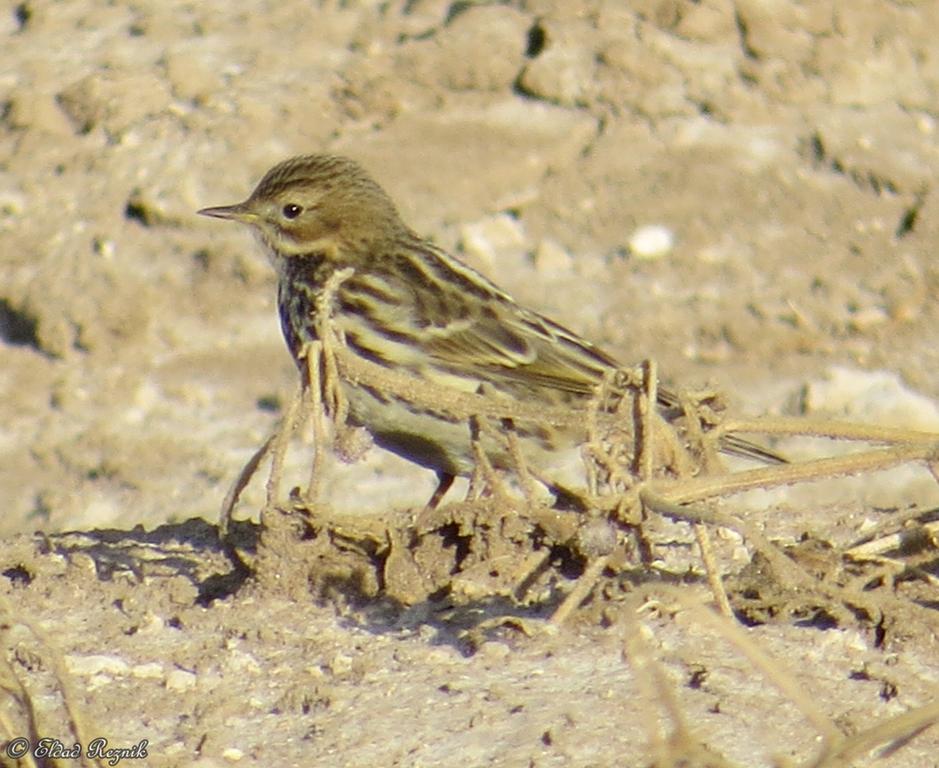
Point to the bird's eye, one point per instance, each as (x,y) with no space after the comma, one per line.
(292,210)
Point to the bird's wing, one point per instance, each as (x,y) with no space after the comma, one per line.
(460,322)
(511,343)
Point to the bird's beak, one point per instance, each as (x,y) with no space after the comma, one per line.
(239,212)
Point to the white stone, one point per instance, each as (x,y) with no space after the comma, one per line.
(341,664)
(491,239)
(552,258)
(96,665)
(153,670)
(180,680)
(650,242)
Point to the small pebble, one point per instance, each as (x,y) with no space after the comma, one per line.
(490,240)
(341,664)
(180,680)
(651,242)
(95,665)
(152,670)
(551,258)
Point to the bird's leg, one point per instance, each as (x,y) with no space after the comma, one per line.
(444,482)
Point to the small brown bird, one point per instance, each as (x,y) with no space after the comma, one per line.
(410,306)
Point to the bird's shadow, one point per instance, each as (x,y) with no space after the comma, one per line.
(191,549)
(217,569)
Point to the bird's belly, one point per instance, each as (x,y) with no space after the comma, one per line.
(444,444)
(425,437)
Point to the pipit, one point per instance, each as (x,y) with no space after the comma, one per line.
(411,307)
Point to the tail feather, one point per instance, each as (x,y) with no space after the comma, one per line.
(738,446)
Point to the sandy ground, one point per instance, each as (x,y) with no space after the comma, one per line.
(789,147)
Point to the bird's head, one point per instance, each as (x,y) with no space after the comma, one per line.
(321,204)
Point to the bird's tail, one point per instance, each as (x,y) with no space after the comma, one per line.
(738,446)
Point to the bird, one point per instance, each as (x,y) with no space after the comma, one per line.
(409,306)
